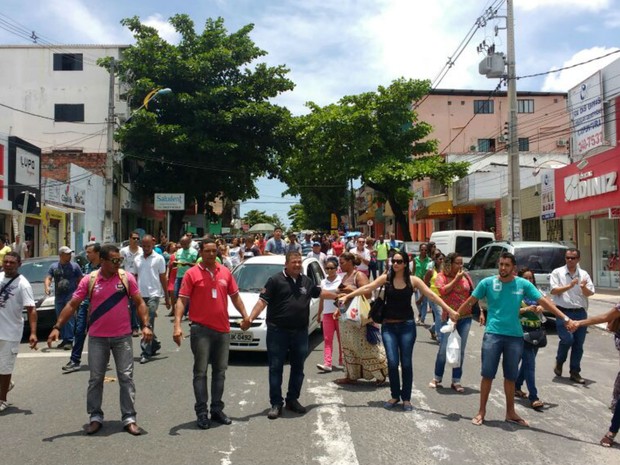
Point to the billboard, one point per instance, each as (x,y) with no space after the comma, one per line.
(585,105)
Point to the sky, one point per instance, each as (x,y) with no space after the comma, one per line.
(335,48)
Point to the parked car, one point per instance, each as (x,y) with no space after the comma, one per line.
(251,276)
(540,257)
(35,271)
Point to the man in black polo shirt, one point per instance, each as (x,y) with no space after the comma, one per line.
(288,295)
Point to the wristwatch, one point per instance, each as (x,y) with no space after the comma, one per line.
(566,319)
(56,327)
(149,326)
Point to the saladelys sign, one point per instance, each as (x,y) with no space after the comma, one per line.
(587,191)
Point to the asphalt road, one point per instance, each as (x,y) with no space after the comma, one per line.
(344,425)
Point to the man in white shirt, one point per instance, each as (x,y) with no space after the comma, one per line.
(15,295)
(129,254)
(570,288)
(21,247)
(316,253)
(151,271)
(363,254)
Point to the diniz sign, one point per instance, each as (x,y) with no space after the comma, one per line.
(583,185)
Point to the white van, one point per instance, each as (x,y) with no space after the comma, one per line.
(464,242)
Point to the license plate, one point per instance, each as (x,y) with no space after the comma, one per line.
(241,337)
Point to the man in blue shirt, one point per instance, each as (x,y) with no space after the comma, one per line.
(276,245)
(503,336)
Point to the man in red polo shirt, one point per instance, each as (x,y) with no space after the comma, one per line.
(208,286)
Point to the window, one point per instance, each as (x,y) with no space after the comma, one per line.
(483,106)
(525,106)
(68,62)
(486,145)
(69,112)
(524,144)
(464,245)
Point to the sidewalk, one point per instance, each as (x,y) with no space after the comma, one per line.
(611,296)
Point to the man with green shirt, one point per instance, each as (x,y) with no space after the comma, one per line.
(421,264)
(184,259)
(382,249)
(503,335)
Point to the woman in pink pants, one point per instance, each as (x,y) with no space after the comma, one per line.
(326,315)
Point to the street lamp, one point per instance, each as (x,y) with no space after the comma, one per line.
(108,224)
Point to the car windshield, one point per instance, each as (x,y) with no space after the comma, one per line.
(251,277)
(35,272)
(540,259)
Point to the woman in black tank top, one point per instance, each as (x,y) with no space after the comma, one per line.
(398,329)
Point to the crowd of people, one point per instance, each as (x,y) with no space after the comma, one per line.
(118,293)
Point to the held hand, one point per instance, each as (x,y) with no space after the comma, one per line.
(33,341)
(572,325)
(245,324)
(177,335)
(454,316)
(147,334)
(53,337)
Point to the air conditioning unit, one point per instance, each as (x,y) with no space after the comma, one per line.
(562,142)
(501,139)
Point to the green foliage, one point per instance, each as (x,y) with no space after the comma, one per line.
(253,217)
(373,136)
(218,130)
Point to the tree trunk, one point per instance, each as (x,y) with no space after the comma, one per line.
(399,216)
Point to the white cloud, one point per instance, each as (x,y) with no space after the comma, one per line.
(612,19)
(81,22)
(165,29)
(565,80)
(563,5)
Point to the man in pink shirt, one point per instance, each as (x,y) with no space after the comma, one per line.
(109,323)
(208,286)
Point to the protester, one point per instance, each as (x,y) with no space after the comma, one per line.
(15,296)
(129,254)
(327,307)
(275,245)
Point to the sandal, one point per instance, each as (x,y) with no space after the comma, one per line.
(345,381)
(381,382)
(520,393)
(608,440)
(457,387)
(434,384)
(537,404)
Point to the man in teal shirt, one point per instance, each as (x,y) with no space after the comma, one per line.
(503,336)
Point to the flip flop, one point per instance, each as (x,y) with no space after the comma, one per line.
(518,421)
(457,387)
(520,393)
(607,440)
(537,404)
(477,420)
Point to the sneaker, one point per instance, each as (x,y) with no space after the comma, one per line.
(202,421)
(68,346)
(3,405)
(274,412)
(558,369)
(71,367)
(144,360)
(61,345)
(294,406)
(339,367)
(324,368)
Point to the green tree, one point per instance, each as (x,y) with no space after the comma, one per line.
(253,217)
(375,137)
(298,217)
(218,131)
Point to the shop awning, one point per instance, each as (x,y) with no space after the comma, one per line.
(443,209)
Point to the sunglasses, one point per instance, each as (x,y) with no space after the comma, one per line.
(116,261)
(135,238)
(571,258)
(398,261)
(330,267)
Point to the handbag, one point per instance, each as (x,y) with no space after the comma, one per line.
(536,337)
(377,308)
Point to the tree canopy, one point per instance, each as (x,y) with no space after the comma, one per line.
(375,137)
(218,130)
(253,217)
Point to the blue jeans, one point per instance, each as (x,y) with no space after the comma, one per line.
(423,307)
(436,310)
(99,349)
(462,327)
(67,331)
(177,288)
(571,341)
(527,371)
(495,346)
(81,318)
(380,266)
(615,420)
(280,343)
(209,347)
(398,339)
(147,348)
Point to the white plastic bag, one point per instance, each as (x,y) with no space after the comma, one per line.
(353,312)
(453,349)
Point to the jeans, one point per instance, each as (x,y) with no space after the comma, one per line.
(398,339)
(495,346)
(615,420)
(81,320)
(280,342)
(331,326)
(462,327)
(177,288)
(571,341)
(527,371)
(209,347)
(423,307)
(147,348)
(99,349)
(380,266)
(67,331)
(437,323)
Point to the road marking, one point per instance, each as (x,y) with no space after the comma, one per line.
(335,437)
(427,425)
(45,354)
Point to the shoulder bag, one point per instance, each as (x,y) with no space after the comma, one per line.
(377,308)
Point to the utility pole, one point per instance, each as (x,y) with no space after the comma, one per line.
(108,222)
(514,181)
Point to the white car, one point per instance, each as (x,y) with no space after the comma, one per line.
(251,277)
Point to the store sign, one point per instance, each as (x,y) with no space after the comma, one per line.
(582,185)
(586,113)
(169,202)
(27,168)
(63,194)
(547,194)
